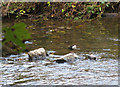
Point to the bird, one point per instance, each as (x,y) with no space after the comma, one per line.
(72,47)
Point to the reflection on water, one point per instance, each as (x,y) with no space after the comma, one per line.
(98,37)
(89,36)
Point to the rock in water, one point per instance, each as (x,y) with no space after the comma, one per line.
(70,57)
(37,54)
(93,57)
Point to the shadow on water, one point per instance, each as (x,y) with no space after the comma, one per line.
(99,37)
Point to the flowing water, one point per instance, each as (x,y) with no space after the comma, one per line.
(98,37)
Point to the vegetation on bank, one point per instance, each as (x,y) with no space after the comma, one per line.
(14,38)
(59,10)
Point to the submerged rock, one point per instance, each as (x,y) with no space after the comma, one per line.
(93,57)
(37,54)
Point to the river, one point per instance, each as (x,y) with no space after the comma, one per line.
(98,37)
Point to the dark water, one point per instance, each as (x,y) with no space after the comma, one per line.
(98,37)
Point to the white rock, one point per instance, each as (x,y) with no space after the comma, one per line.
(38,53)
(70,57)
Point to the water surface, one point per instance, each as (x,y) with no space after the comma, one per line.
(98,37)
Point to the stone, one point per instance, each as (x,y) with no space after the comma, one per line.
(93,57)
(37,54)
(70,57)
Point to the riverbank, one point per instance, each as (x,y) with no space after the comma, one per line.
(59,10)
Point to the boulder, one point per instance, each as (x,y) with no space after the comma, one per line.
(70,57)
(37,54)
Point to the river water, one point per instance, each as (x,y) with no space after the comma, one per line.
(98,37)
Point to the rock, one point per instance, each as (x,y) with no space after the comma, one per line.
(70,57)
(37,54)
(6,51)
(93,57)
